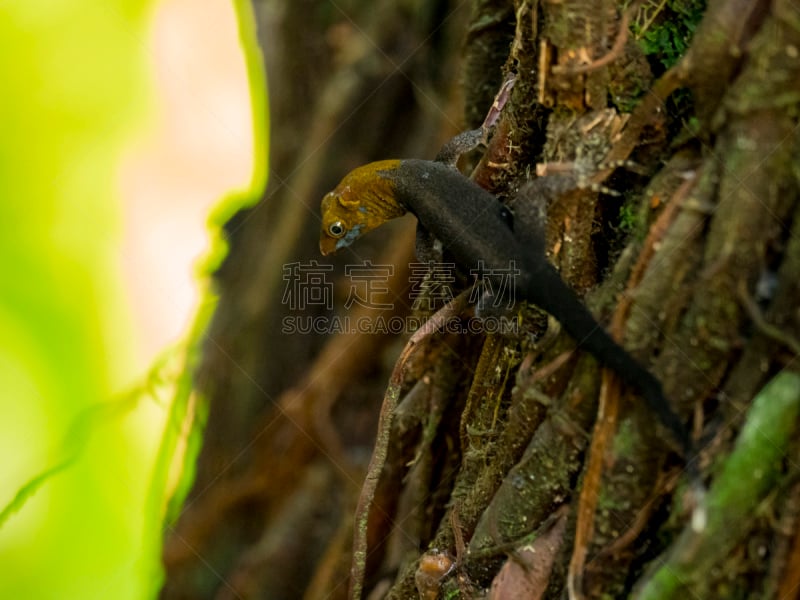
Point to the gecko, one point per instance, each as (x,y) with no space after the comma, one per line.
(477,230)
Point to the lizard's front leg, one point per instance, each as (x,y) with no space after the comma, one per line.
(428,248)
(460,144)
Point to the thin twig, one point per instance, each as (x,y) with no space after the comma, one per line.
(378,460)
(608,409)
(764,326)
(607,58)
(603,432)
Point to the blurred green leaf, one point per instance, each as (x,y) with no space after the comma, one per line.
(80,485)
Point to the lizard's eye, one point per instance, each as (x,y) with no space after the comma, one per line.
(336,229)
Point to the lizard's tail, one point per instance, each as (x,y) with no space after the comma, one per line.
(548,291)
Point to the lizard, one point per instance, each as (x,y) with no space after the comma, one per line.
(476,229)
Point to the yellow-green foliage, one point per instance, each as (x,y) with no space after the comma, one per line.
(82,497)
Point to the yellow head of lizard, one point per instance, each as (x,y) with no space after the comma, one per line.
(362,201)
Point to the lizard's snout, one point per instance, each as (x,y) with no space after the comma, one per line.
(327,245)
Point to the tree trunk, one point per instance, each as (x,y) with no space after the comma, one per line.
(664,141)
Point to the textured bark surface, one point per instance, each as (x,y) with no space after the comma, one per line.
(514,465)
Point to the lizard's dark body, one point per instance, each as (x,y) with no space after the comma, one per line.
(475,227)
(472,225)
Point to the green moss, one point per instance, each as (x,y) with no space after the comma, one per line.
(625,440)
(664,32)
(452,594)
(627,218)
